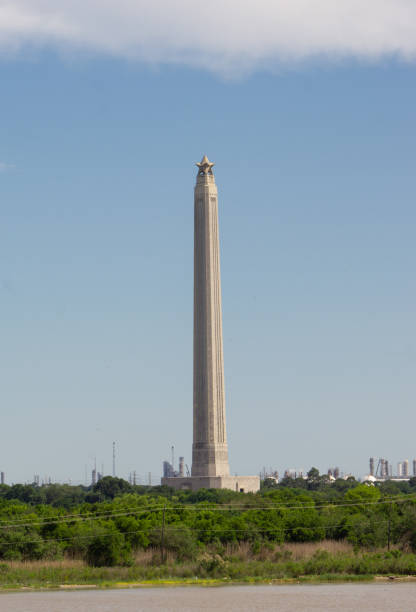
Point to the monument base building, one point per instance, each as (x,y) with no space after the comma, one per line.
(210,468)
(241,484)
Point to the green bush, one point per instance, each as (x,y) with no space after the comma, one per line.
(108,548)
(177,539)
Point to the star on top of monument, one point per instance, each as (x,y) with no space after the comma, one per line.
(205,166)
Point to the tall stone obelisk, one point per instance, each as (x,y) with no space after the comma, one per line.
(209,449)
(210,468)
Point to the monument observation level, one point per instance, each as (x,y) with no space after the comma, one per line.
(210,468)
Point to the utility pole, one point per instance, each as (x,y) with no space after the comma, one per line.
(388,536)
(389,528)
(114,459)
(162,543)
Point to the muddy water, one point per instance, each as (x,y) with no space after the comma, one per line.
(391,597)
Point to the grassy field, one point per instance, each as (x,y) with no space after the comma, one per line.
(326,560)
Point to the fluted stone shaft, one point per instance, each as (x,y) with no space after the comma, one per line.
(209,450)
(210,468)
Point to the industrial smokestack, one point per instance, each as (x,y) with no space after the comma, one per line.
(372,466)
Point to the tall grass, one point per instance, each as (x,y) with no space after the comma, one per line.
(238,562)
(35,565)
(239,551)
(306,550)
(297,551)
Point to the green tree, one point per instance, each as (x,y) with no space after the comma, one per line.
(269,483)
(313,474)
(363,493)
(109,487)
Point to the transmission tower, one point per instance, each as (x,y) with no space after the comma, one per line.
(114,459)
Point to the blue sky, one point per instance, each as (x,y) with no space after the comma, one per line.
(315,168)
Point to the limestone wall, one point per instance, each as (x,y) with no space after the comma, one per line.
(243,484)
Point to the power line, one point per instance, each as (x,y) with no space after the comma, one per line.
(223,508)
(226,507)
(187,529)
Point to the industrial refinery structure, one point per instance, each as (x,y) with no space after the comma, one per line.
(381,469)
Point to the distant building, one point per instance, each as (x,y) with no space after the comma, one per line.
(333,473)
(168,471)
(384,470)
(292,473)
(269,475)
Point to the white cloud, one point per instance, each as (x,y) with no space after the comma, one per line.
(4,167)
(222,35)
